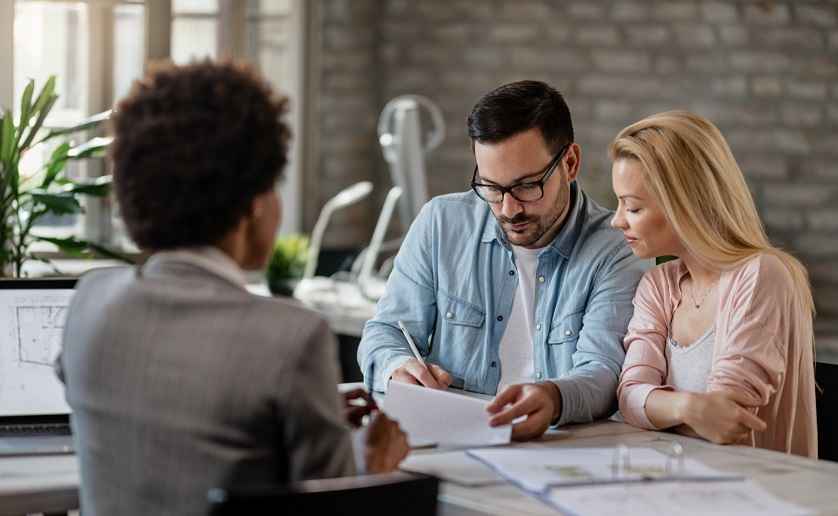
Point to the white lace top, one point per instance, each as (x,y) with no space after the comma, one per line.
(689,367)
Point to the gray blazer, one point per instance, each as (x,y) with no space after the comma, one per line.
(181,381)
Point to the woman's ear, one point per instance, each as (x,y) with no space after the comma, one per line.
(257,207)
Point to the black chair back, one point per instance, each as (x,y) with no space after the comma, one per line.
(368,495)
(827,403)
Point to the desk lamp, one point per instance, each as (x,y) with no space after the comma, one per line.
(344,198)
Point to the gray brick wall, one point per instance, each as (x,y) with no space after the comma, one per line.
(765,72)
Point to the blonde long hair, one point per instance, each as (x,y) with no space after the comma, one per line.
(692,173)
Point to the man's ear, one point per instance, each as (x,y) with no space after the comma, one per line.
(574,161)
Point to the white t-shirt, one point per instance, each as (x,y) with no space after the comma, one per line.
(516,345)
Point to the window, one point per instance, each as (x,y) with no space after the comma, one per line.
(97,48)
(275,44)
(50,39)
(194,30)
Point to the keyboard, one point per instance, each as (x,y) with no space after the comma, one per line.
(14,430)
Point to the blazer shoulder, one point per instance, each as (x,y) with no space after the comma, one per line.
(104,279)
(288,317)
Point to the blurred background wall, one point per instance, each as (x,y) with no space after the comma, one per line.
(766,72)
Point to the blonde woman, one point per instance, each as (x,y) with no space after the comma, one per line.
(720,345)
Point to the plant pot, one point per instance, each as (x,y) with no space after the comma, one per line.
(7,270)
(282,287)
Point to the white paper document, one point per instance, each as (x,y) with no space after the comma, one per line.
(743,498)
(446,418)
(537,469)
(453,466)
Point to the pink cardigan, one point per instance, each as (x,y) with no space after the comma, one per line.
(763,348)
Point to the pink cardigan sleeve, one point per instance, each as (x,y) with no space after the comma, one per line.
(751,342)
(645,366)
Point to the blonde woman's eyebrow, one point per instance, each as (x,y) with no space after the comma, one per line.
(624,197)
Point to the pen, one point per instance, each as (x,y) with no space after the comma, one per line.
(413,347)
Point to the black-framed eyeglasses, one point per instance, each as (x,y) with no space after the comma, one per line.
(529,191)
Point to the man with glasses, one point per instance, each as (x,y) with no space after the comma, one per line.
(519,288)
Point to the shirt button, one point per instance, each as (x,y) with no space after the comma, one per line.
(568,333)
(511,273)
(500,318)
(493,364)
(541,279)
(449,315)
(538,327)
(538,375)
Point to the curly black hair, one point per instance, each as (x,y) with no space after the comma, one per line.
(193,145)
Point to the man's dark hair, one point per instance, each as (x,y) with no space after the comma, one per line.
(520,106)
(193,146)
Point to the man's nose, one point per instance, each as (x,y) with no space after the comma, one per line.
(510,206)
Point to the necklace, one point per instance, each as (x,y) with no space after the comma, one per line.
(698,304)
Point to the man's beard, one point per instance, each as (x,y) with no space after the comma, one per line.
(538,227)
(533,229)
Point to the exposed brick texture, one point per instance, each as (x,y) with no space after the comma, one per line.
(765,72)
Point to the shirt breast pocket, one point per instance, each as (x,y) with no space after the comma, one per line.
(462,321)
(565,330)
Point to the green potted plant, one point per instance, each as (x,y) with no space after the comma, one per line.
(25,198)
(287,264)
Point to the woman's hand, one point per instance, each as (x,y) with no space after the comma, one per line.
(357,403)
(386,445)
(721,417)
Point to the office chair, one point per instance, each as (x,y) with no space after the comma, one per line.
(827,406)
(370,495)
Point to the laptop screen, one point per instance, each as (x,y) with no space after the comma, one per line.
(32,315)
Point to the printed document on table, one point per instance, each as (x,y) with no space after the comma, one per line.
(537,469)
(745,498)
(446,418)
(453,466)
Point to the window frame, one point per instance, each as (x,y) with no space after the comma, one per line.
(231,23)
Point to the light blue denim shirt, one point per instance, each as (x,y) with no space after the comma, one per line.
(453,284)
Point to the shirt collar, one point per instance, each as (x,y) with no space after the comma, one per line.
(566,237)
(208,258)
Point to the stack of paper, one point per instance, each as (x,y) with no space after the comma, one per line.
(453,466)
(539,469)
(744,498)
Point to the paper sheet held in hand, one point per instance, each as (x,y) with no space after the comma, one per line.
(447,418)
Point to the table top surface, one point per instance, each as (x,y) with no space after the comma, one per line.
(807,482)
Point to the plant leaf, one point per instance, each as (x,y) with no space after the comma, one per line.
(88,123)
(55,164)
(8,137)
(42,115)
(25,108)
(92,148)
(98,188)
(109,253)
(58,203)
(82,248)
(70,245)
(45,94)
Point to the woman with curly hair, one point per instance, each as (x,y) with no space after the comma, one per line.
(179,379)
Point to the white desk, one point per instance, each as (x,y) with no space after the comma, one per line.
(39,484)
(806,482)
(46,484)
(341,304)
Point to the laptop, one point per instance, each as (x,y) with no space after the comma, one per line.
(34,416)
